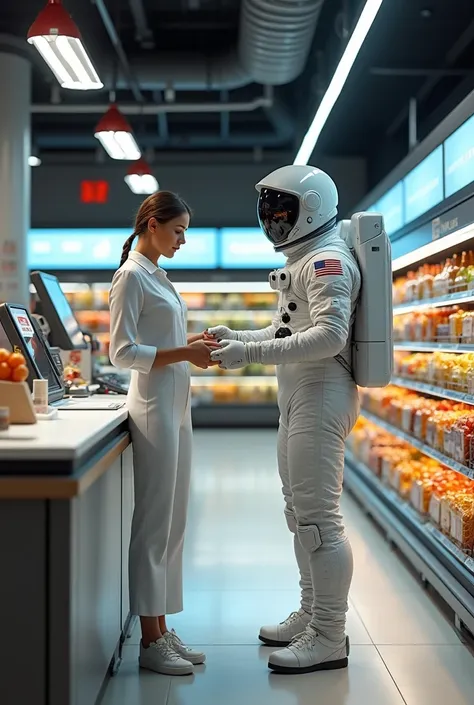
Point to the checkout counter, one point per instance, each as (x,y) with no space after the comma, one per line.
(66,504)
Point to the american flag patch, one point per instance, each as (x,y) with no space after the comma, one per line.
(328,266)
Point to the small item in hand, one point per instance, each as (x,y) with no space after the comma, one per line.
(4,418)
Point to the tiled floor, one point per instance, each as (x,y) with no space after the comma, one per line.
(240,573)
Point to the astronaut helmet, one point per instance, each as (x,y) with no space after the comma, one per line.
(296,203)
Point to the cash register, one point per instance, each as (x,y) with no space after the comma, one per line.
(20,331)
(65,331)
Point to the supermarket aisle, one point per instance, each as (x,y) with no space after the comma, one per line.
(240,573)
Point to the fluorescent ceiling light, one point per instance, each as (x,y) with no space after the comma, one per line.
(333,92)
(34,161)
(58,40)
(116,136)
(142,184)
(447,242)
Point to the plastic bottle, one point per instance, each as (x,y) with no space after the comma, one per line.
(460,282)
(453,273)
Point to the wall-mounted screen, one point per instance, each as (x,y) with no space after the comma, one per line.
(391,207)
(424,185)
(459,158)
(61,249)
(247,248)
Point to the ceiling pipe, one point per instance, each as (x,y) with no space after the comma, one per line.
(274,42)
(131,79)
(143,32)
(265,101)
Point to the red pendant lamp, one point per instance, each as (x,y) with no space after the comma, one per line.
(140,179)
(57,38)
(115,134)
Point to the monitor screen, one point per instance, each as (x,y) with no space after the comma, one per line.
(35,346)
(65,329)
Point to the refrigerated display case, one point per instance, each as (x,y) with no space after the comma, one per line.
(244,397)
(410,459)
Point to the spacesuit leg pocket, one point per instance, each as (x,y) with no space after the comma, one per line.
(309,538)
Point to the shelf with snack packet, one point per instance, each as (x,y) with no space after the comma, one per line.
(425,508)
(439,428)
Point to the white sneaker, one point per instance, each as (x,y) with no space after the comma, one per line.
(194,657)
(310,652)
(162,658)
(282,634)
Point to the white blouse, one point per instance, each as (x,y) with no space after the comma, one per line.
(146,314)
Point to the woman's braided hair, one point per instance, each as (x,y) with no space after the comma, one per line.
(163,206)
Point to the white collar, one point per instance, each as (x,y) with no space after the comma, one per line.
(143,261)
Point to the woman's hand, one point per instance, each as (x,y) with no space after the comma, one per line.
(199,353)
(194,337)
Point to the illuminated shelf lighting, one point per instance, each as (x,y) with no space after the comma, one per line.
(243,380)
(462,297)
(433,347)
(419,445)
(433,390)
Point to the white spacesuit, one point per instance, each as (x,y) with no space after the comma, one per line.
(310,342)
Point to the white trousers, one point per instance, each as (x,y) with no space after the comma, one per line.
(314,424)
(161,433)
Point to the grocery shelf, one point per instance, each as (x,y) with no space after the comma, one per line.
(206,415)
(434,557)
(243,380)
(459,297)
(433,390)
(419,445)
(419,346)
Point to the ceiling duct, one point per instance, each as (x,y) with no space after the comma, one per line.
(275,38)
(274,42)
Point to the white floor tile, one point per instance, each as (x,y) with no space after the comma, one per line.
(236,617)
(432,675)
(237,675)
(240,573)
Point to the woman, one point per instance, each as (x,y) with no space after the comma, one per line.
(148,335)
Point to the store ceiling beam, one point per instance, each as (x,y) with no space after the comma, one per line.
(117,44)
(456,51)
(264,101)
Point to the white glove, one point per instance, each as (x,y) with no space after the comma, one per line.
(231,355)
(222,333)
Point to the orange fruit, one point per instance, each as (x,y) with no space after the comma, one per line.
(20,373)
(16,359)
(4,355)
(5,371)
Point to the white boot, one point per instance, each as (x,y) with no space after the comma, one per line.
(194,657)
(162,658)
(310,652)
(282,634)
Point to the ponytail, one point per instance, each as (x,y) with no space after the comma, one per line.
(163,206)
(127,246)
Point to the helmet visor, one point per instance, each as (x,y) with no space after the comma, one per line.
(277,214)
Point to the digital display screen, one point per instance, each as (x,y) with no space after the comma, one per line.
(248,248)
(64,311)
(391,207)
(424,186)
(87,249)
(199,252)
(34,346)
(459,158)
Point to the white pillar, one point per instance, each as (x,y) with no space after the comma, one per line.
(15,144)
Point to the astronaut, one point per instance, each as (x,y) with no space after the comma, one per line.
(309,341)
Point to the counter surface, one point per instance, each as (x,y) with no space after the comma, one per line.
(68,437)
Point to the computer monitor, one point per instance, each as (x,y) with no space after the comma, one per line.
(65,330)
(22,332)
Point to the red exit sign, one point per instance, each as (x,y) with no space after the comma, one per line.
(94,191)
